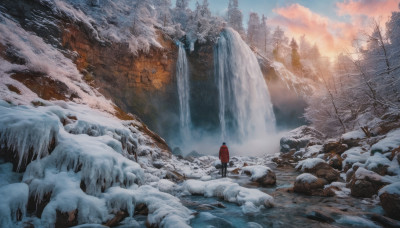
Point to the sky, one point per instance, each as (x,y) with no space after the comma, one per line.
(332,24)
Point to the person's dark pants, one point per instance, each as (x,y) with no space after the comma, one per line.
(224,167)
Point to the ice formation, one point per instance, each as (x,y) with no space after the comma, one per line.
(229,191)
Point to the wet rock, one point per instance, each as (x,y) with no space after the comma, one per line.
(390,200)
(267,180)
(141,209)
(231,163)
(236,171)
(245,164)
(385,221)
(158,164)
(299,138)
(219,205)
(175,176)
(205,207)
(366,183)
(309,184)
(334,147)
(318,216)
(117,219)
(66,219)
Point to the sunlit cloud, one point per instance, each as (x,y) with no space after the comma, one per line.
(333,36)
(370,8)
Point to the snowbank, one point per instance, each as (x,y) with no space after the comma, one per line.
(229,191)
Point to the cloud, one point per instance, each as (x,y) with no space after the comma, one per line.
(370,8)
(332,36)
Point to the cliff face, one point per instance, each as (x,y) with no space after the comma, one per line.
(143,84)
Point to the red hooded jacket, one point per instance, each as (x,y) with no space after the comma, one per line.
(224,154)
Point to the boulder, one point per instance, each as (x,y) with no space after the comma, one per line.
(309,184)
(300,138)
(390,200)
(334,147)
(335,161)
(366,183)
(319,168)
(263,175)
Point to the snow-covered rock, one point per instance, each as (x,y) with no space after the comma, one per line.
(318,167)
(367,183)
(309,184)
(299,138)
(229,191)
(261,174)
(390,142)
(390,200)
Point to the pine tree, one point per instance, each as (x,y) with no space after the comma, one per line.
(296,65)
(235,17)
(253,29)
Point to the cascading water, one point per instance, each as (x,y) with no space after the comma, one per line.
(182,76)
(245,108)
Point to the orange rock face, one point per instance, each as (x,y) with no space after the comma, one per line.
(114,62)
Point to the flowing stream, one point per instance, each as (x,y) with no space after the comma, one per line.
(245,108)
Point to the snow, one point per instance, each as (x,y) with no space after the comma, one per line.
(391,189)
(301,86)
(377,160)
(229,191)
(362,173)
(354,155)
(16,200)
(166,186)
(306,178)
(312,150)
(309,163)
(257,171)
(357,134)
(391,141)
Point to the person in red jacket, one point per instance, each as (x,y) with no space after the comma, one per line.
(224,157)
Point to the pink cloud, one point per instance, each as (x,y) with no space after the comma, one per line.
(370,8)
(332,36)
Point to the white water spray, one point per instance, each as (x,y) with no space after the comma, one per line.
(245,108)
(182,76)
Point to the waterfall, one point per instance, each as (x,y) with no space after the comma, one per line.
(245,108)
(182,76)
